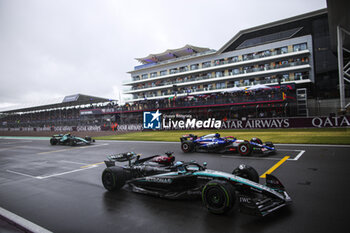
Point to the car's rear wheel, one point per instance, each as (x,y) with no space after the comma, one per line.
(113,178)
(53,141)
(244,148)
(187,146)
(246,172)
(219,196)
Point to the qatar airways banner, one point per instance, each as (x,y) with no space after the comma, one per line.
(259,123)
(278,123)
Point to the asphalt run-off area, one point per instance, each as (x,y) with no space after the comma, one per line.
(47,188)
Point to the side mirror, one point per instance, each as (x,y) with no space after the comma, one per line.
(205,164)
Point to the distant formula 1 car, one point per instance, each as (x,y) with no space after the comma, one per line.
(68,139)
(215,143)
(161,176)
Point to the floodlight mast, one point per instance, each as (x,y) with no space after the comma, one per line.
(343,71)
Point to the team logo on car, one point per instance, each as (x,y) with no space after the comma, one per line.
(159,180)
(151,120)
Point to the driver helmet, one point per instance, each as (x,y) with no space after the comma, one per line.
(217,135)
(179,166)
(178,163)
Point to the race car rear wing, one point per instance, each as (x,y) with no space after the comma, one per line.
(188,137)
(122,157)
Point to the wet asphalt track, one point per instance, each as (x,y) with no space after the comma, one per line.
(60,189)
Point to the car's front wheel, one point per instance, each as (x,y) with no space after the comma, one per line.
(219,196)
(246,172)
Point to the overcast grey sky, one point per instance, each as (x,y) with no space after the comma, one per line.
(51,48)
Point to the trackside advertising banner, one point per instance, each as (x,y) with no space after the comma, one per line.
(278,123)
(187,122)
(155,120)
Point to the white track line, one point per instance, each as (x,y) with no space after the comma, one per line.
(22,223)
(303,145)
(255,158)
(298,156)
(65,161)
(314,145)
(57,174)
(63,173)
(117,141)
(24,138)
(7,143)
(22,174)
(72,148)
(301,152)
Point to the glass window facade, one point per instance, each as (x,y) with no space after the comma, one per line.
(194,66)
(206,64)
(183,68)
(299,47)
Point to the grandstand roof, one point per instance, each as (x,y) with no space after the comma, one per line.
(238,41)
(68,101)
(172,53)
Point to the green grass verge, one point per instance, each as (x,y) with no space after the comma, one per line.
(339,136)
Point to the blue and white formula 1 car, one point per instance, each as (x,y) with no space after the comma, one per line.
(215,143)
(220,191)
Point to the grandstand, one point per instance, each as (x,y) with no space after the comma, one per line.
(71,112)
(294,52)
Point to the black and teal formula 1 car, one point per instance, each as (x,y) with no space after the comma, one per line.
(68,139)
(220,191)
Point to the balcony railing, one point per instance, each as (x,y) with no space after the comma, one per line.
(266,81)
(199,78)
(220,63)
(236,98)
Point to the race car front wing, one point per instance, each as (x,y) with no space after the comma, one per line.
(260,207)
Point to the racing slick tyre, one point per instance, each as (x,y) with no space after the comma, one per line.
(246,172)
(53,141)
(87,138)
(187,146)
(244,149)
(219,196)
(256,140)
(113,178)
